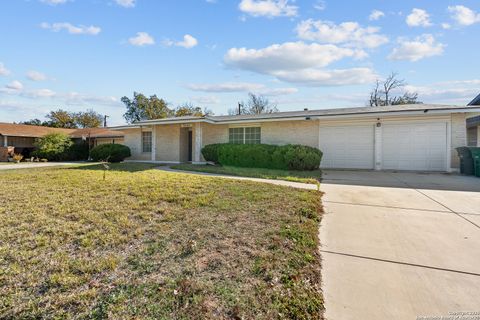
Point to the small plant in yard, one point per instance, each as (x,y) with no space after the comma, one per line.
(106,167)
(17,157)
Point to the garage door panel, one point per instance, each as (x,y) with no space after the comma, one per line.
(419,146)
(347,146)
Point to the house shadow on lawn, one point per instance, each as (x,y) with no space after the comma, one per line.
(120,167)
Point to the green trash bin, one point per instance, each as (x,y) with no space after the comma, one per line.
(476,159)
(467,166)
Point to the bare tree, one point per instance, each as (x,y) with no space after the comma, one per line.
(383,92)
(256,104)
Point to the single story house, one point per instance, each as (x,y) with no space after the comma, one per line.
(473,126)
(22,137)
(405,137)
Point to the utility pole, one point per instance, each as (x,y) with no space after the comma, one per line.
(105,120)
(240,106)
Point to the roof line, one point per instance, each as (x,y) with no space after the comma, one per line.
(475,101)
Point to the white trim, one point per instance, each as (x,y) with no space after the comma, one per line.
(127,127)
(449,148)
(249,125)
(198,142)
(154,144)
(173,121)
(5,141)
(377,136)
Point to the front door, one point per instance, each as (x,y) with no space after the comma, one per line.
(190,141)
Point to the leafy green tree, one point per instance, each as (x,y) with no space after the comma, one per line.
(188,109)
(53,146)
(61,119)
(145,108)
(88,119)
(33,122)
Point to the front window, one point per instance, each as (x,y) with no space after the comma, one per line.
(146,141)
(247,135)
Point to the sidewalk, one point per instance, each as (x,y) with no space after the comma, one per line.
(284,183)
(30,165)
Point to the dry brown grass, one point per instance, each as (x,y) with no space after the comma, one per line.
(147,244)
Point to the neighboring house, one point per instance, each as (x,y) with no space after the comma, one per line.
(473,126)
(406,137)
(22,136)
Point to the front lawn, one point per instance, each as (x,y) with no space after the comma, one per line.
(311,177)
(152,244)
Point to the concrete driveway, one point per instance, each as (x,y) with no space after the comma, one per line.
(400,245)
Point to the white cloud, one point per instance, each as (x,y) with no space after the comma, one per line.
(126,3)
(268,8)
(36,76)
(206,99)
(3,70)
(54,2)
(449,92)
(298,62)
(418,18)
(15,85)
(375,15)
(188,42)
(319,77)
(274,92)
(288,56)
(413,50)
(228,87)
(446,26)
(225,87)
(75,98)
(350,33)
(320,5)
(464,16)
(141,39)
(39,93)
(80,29)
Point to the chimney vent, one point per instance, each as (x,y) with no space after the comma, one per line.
(305,109)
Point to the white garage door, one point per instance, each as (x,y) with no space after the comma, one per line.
(349,147)
(420,146)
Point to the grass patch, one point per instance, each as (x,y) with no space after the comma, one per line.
(311,177)
(149,244)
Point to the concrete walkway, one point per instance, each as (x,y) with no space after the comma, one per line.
(298,185)
(399,245)
(30,165)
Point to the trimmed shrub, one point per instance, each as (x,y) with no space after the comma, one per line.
(76,152)
(52,146)
(110,152)
(287,157)
(210,152)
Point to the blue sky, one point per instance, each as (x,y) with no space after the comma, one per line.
(82,54)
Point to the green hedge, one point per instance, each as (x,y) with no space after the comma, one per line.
(288,157)
(110,152)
